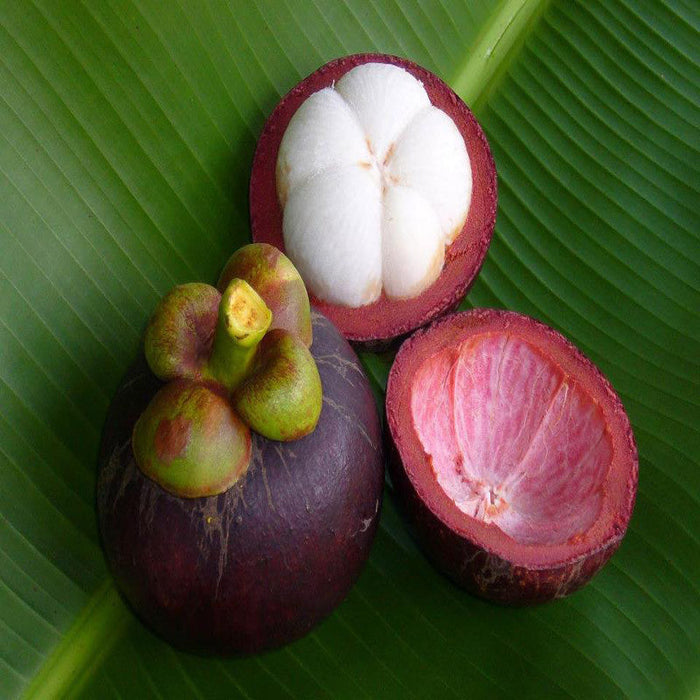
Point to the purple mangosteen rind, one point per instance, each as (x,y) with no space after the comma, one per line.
(382,324)
(480,571)
(259,565)
(480,557)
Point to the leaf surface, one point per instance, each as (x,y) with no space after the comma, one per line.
(127,131)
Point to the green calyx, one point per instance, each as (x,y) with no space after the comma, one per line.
(273,276)
(282,395)
(191,441)
(242,323)
(229,368)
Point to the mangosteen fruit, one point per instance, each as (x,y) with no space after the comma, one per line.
(378,183)
(240,471)
(511,453)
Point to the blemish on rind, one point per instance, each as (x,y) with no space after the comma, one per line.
(366,522)
(341,365)
(217,513)
(114,466)
(267,488)
(283,459)
(171,438)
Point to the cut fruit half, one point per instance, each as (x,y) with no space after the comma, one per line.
(378,183)
(512,454)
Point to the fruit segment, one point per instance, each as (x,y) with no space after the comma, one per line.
(374,181)
(335,244)
(325,132)
(384,100)
(412,247)
(430,157)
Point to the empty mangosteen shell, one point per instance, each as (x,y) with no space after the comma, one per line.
(376,326)
(478,556)
(261,564)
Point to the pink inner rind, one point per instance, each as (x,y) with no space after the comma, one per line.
(511,439)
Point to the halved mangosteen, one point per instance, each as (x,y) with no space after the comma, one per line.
(512,454)
(378,182)
(240,471)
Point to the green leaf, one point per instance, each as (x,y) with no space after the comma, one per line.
(127,131)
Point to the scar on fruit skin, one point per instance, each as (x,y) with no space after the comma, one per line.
(171,438)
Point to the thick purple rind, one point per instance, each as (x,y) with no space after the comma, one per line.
(484,573)
(261,564)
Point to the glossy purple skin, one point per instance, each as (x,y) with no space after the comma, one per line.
(261,564)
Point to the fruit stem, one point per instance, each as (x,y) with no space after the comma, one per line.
(243,321)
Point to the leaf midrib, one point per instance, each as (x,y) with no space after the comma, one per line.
(495,48)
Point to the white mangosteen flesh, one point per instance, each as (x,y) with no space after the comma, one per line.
(512,440)
(374,183)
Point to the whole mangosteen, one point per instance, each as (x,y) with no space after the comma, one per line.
(378,182)
(221,539)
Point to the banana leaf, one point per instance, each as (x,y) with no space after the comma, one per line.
(127,129)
